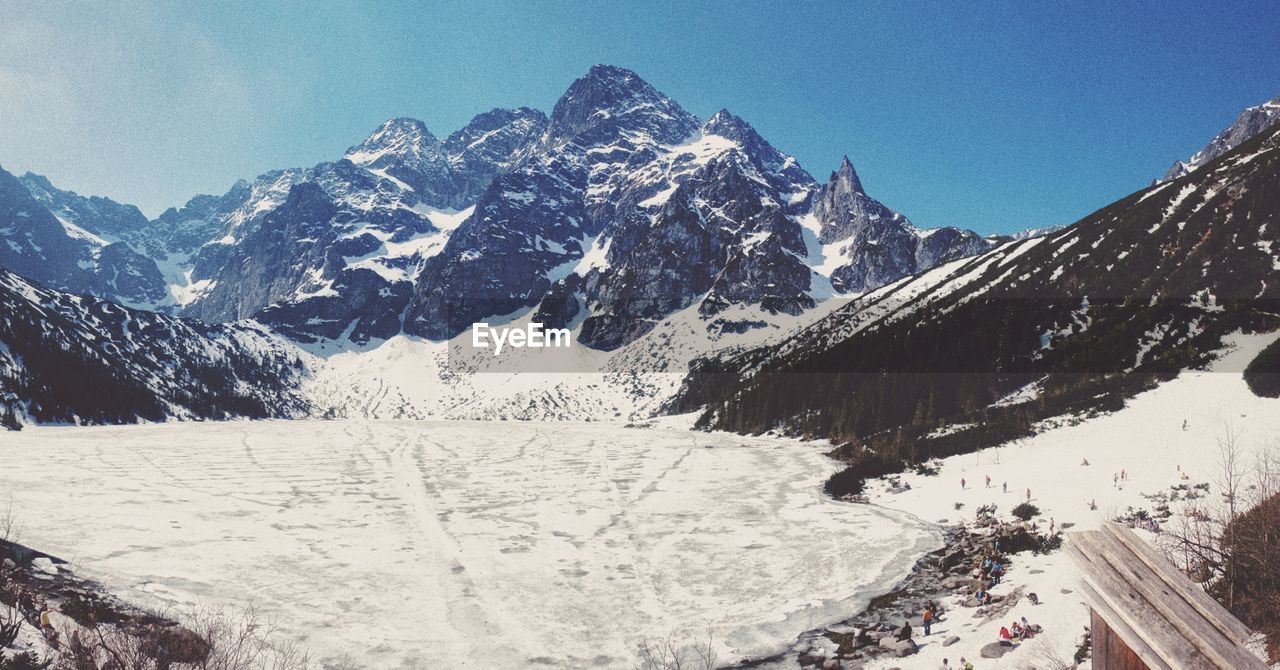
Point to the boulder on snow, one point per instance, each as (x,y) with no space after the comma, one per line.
(995,650)
(951,640)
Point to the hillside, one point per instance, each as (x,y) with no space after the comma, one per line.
(974,352)
(76,359)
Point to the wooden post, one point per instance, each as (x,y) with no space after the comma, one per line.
(1109,651)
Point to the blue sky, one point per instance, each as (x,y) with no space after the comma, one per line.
(993,116)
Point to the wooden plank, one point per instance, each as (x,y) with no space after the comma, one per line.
(1208,607)
(1115,627)
(1109,651)
(1120,624)
(1142,617)
(1137,575)
(1216,643)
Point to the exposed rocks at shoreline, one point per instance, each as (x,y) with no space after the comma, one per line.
(75,603)
(873,633)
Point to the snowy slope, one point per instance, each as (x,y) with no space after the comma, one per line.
(1252,120)
(408,377)
(1148,285)
(1146,440)
(77,359)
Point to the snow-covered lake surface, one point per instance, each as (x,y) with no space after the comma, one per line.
(456,544)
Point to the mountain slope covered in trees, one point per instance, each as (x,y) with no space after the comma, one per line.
(68,358)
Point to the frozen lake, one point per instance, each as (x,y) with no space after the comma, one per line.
(453,544)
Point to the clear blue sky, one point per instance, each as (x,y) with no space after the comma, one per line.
(992,116)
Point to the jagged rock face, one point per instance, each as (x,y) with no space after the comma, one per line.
(653,214)
(721,235)
(358,304)
(783,173)
(74,243)
(599,107)
(879,255)
(36,245)
(129,277)
(490,145)
(1251,121)
(276,257)
(377,235)
(879,246)
(321,264)
(541,216)
(498,261)
(405,150)
(845,210)
(185,229)
(101,216)
(671,212)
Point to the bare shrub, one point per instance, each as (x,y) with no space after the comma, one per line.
(677,652)
(208,639)
(1230,545)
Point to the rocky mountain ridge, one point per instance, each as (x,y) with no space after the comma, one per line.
(617,210)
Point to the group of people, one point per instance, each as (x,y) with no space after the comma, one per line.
(1018,631)
(990,571)
(35,612)
(1147,523)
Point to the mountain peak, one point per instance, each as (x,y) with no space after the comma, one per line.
(38,180)
(846,178)
(602,74)
(1250,122)
(400,138)
(725,124)
(614,96)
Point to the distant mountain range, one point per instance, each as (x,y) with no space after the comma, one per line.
(614,212)
(655,237)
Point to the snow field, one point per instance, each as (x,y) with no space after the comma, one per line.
(451,544)
(1146,440)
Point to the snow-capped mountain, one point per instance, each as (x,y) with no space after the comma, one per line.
(1075,320)
(617,211)
(79,359)
(867,245)
(333,251)
(1251,121)
(628,209)
(75,243)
